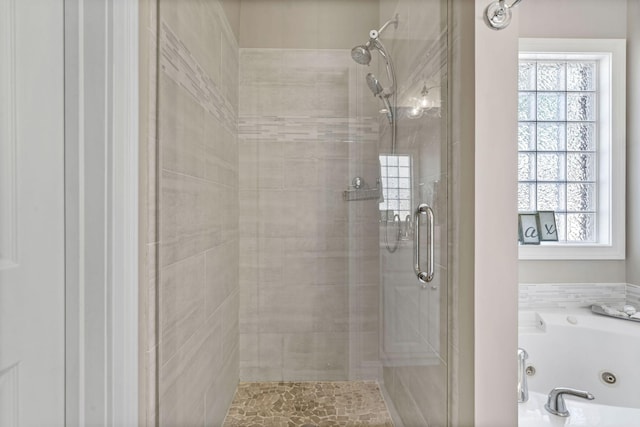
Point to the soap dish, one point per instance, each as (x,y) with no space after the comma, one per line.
(610,312)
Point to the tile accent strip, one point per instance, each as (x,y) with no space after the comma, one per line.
(570,295)
(633,295)
(177,62)
(308,129)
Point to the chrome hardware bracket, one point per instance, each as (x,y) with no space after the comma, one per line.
(497,15)
(423,276)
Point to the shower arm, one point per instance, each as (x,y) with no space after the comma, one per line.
(393,21)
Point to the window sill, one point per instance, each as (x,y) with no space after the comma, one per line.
(561,252)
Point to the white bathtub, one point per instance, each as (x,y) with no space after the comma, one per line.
(572,348)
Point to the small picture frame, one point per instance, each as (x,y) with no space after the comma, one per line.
(547,226)
(528,229)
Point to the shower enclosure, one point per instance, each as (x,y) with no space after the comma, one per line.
(300,229)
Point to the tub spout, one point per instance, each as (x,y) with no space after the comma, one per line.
(523,390)
(555,403)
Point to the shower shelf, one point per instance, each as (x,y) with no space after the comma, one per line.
(356,194)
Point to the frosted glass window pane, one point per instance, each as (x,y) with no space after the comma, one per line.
(581,137)
(581,167)
(551,76)
(384,171)
(383,160)
(392,204)
(551,106)
(527,76)
(551,167)
(405,205)
(403,172)
(392,194)
(551,136)
(581,107)
(526,167)
(581,228)
(526,106)
(404,183)
(392,160)
(392,182)
(405,194)
(561,225)
(403,161)
(526,136)
(550,197)
(581,197)
(581,76)
(526,197)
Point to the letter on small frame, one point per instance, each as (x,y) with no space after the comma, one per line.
(548,229)
(528,229)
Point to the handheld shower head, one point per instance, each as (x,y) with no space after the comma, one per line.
(361,54)
(378,91)
(374,85)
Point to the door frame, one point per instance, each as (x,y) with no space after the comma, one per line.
(101,212)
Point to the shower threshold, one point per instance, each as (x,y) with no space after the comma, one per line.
(308,404)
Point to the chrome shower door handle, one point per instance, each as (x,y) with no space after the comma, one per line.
(423,276)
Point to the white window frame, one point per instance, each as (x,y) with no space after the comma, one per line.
(611,145)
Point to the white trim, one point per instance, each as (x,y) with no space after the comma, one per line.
(101,204)
(8,139)
(124,309)
(611,163)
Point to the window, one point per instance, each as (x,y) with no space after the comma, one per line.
(571,138)
(396,186)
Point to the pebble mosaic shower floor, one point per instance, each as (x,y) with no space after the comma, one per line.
(308,404)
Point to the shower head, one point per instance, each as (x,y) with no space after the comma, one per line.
(361,54)
(378,91)
(374,85)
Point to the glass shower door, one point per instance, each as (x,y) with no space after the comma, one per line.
(414,219)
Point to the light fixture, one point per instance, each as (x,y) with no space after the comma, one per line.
(422,103)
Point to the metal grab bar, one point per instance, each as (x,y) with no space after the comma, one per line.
(423,276)
(523,389)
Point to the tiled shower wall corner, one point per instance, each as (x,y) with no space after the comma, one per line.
(309,260)
(416,375)
(191,309)
(148,214)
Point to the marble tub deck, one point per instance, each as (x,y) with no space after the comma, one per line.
(308,404)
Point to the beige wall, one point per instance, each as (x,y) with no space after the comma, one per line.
(573,19)
(496,279)
(197,183)
(306,24)
(633,142)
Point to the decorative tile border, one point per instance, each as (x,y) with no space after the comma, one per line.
(308,129)
(571,295)
(177,63)
(633,295)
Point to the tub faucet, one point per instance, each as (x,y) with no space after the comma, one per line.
(555,403)
(523,390)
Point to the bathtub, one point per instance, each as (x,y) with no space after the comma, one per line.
(574,348)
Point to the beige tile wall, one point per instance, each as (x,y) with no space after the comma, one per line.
(193,356)
(306,24)
(308,259)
